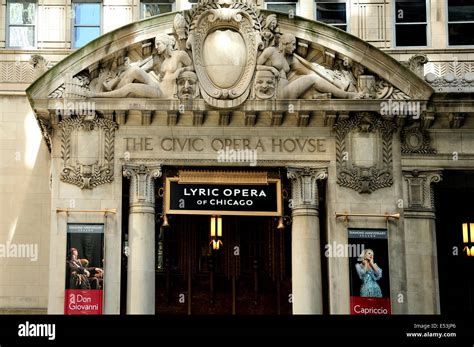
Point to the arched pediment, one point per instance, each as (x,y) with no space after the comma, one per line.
(227,55)
(324,44)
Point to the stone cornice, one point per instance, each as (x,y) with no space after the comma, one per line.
(189,162)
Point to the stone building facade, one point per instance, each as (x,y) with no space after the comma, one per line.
(358,129)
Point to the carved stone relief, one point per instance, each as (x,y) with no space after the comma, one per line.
(82,167)
(224,38)
(355,169)
(450,76)
(236,53)
(416,63)
(419,189)
(415,140)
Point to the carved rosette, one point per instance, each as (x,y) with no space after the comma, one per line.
(361,178)
(142,195)
(225,38)
(87,175)
(304,186)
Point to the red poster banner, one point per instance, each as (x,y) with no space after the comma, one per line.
(372,306)
(84,269)
(78,301)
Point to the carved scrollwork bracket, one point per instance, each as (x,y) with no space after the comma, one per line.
(419,189)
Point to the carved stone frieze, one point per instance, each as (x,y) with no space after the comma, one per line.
(450,76)
(450,83)
(356,169)
(226,52)
(81,166)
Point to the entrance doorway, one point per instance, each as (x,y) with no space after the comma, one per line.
(455,268)
(249,274)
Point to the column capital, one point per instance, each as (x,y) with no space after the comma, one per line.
(142,195)
(419,195)
(304,186)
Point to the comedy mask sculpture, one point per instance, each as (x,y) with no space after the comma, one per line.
(265,84)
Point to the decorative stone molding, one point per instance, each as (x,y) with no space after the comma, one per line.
(39,63)
(302,119)
(198,118)
(416,63)
(276,118)
(455,67)
(456,120)
(419,190)
(362,178)
(99,168)
(142,194)
(17,72)
(450,83)
(237,23)
(427,119)
(450,76)
(250,119)
(189,162)
(415,140)
(385,90)
(304,186)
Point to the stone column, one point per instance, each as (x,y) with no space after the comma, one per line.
(141,239)
(305,240)
(420,241)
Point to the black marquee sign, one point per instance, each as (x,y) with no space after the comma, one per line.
(256,199)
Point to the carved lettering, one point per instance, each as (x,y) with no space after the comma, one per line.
(199,144)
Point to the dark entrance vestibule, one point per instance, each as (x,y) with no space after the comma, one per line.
(455,268)
(249,274)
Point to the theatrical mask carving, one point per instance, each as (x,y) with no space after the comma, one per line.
(264,84)
(187,85)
